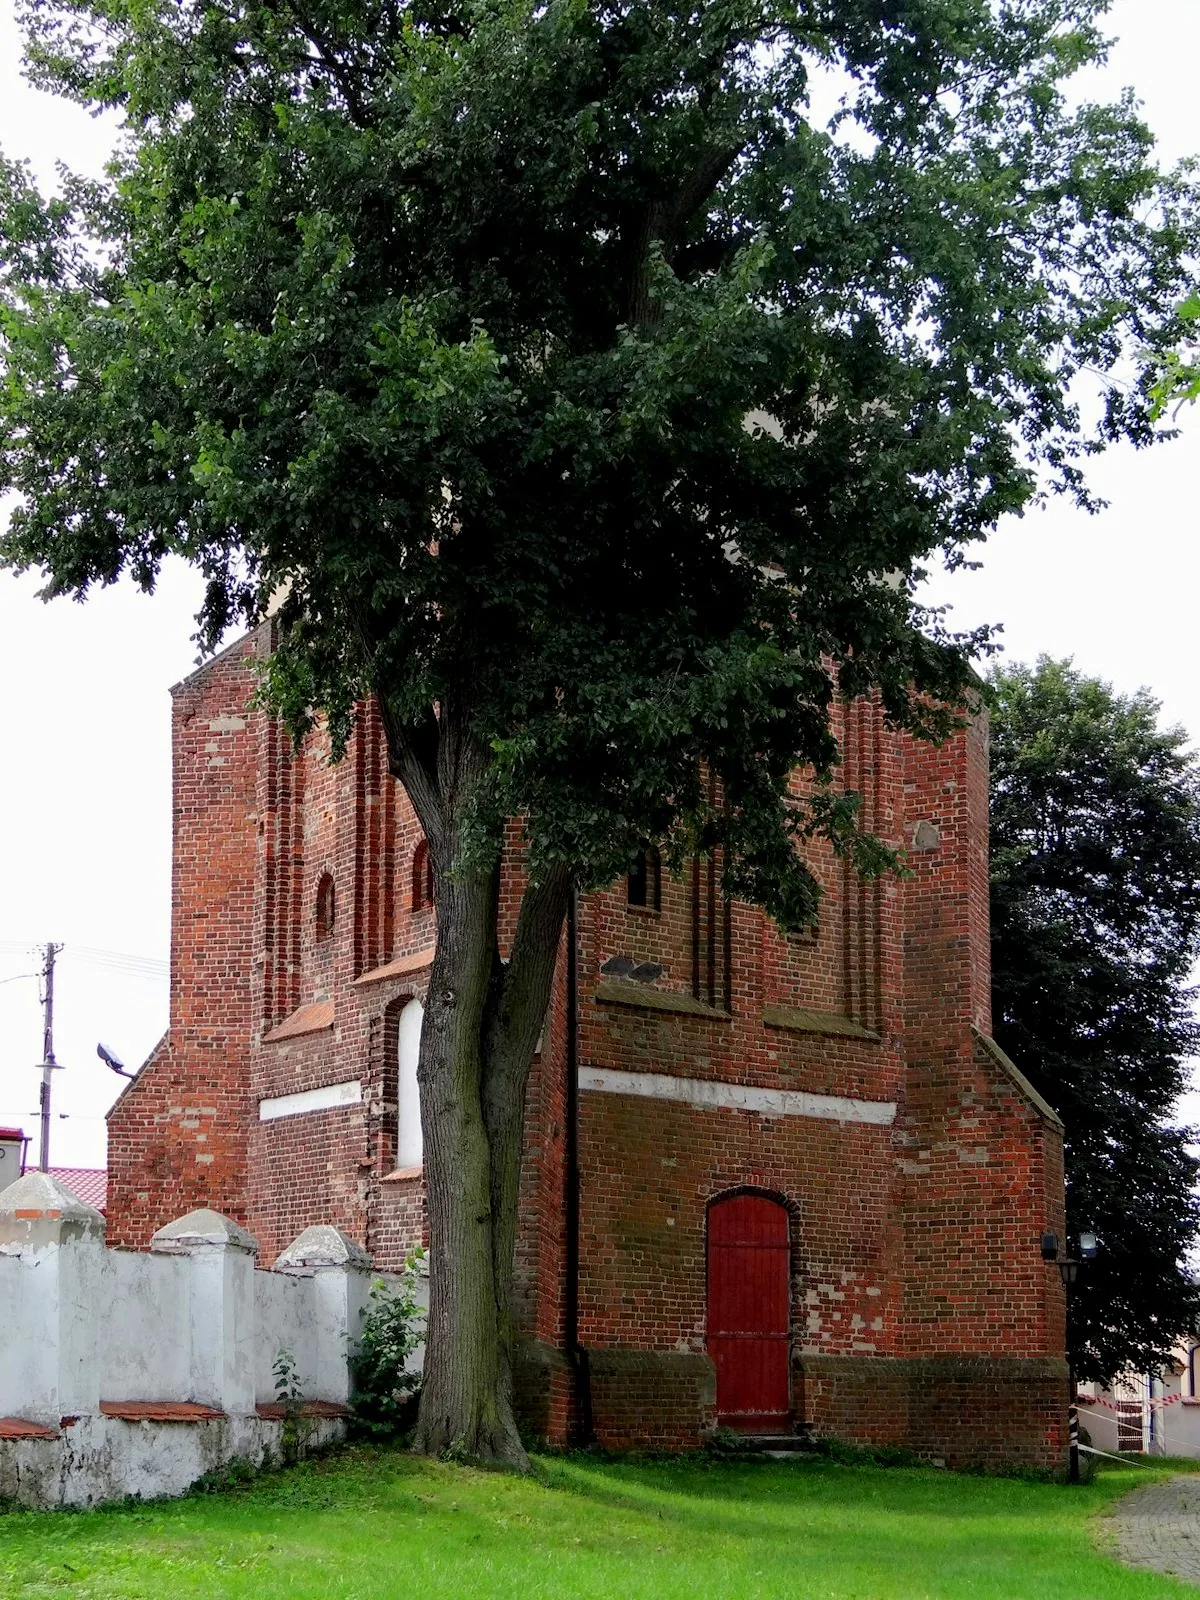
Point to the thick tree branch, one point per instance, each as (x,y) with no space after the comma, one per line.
(519,1007)
(517,1014)
(413,760)
(664,222)
(337,69)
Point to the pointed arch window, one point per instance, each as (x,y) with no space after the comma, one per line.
(422,877)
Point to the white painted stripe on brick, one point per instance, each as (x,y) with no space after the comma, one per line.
(703,1092)
(293,1105)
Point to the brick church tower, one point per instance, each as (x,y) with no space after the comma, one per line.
(789,1181)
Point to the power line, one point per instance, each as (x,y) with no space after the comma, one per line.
(150,965)
(135,966)
(114,960)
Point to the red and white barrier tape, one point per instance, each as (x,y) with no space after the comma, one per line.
(1128,1405)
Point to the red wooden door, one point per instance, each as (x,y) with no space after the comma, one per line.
(749,1311)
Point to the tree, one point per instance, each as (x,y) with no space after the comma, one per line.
(591,402)
(1175,378)
(1095,931)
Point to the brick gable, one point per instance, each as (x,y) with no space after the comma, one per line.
(846,1074)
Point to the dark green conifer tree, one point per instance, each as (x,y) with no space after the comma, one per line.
(1095,932)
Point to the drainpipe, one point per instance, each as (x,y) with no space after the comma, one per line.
(576,1354)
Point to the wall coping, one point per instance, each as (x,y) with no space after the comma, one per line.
(800,1019)
(22,1428)
(40,1197)
(1018,1079)
(280,1410)
(640,997)
(312,1018)
(322,1246)
(159,1411)
(201,1230)
(402,967)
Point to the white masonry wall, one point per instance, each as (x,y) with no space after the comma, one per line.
(18,1309)
(286,1320)
(143,1315)
(191,1326)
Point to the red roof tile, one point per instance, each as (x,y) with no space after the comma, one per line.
(399,968)
(19,1428)
(314,1018)
(276,1410)
(89,1183)
(158,1411)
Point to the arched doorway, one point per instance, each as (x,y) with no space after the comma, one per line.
(749,1311)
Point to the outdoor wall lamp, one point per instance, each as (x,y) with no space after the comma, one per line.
(1067,1267)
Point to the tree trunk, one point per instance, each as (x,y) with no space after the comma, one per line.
(463,1405)
(515,1020)
(482,1020)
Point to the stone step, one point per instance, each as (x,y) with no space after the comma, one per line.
(781,1443)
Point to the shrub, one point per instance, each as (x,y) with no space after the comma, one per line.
(385,1391)
(290,1395)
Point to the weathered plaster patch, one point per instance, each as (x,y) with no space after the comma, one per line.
(322,1099)
(710,1095)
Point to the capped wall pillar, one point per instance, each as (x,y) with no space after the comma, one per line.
(51,1270)
(341,1270)
(221,1306)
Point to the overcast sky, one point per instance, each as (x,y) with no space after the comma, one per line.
(85,773)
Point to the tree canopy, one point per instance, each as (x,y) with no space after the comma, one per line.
(1095,931)
(450,320)
(589,396)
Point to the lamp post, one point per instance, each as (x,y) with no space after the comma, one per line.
(1068,1268)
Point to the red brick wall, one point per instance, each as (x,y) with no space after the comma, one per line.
(976,1197)
(981,1164)
(177,1137)
(918,1293)
(967,1411)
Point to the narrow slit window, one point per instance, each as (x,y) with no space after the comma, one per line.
(326,906)
(422,877)
(645,880)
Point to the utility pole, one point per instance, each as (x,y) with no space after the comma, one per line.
(48,1061)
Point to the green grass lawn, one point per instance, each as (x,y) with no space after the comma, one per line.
(373,1523)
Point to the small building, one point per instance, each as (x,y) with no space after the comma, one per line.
(89,1184)
(12,1155)
(785,1182)
(1147,1413)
